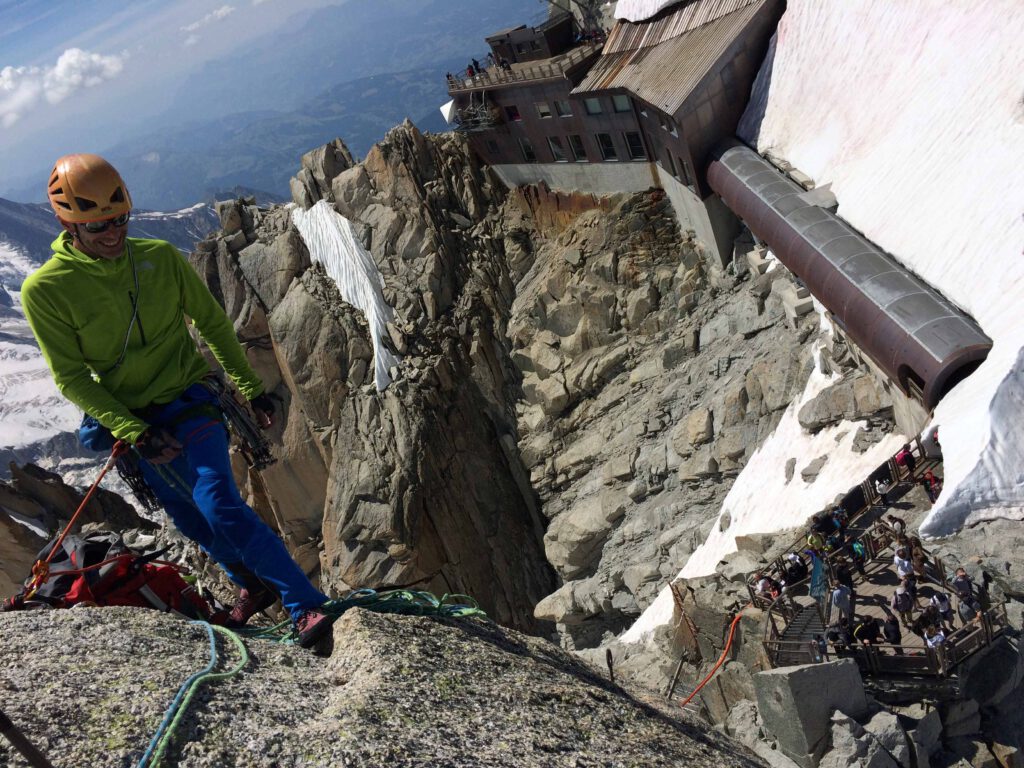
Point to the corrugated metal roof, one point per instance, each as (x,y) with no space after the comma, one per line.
(661,64)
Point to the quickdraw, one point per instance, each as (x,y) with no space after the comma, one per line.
(254,445)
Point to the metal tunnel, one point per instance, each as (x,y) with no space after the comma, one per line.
(916,336)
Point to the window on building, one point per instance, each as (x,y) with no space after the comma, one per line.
(534,45)
(563,108)
(543,110)
(557,149)
(607,146)
(620,102)
(688,178)
(635,146)
(527,148)
(671,164)
(520,48)
(492,146)
(593,106)
(512,113)
(579,154)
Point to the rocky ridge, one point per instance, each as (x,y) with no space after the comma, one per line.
(399,691)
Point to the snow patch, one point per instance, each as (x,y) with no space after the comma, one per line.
(921,141)
(762,501)
(31,408)
(332,241)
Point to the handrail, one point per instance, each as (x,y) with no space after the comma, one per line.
(870,500)
(495,75)
(958,645)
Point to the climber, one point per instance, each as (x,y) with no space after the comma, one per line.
(109,314)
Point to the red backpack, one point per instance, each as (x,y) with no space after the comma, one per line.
(99,569)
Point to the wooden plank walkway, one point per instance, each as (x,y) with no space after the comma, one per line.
(794,621)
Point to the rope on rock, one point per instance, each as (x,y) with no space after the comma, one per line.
(399,601)
(179,705)
(406,602)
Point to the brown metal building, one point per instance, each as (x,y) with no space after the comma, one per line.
(690,70)
(665,90)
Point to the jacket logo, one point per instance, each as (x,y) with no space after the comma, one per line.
(146,265)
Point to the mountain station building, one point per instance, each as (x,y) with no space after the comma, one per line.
(641,109)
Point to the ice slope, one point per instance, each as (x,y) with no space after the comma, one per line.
(912,111)
(332,242)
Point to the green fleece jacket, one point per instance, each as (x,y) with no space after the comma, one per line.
(80,310)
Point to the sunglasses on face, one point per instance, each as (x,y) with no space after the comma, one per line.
(95,227)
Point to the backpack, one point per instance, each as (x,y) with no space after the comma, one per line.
(99,569)
(902,602)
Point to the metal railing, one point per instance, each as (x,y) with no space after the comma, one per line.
(885,660)
(870,496)
(495,75)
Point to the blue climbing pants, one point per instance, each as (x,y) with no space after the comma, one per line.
(198,492)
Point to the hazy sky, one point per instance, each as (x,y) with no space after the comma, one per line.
(105,63)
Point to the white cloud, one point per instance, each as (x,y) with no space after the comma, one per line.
(217,15)
(22,88)
(259,2)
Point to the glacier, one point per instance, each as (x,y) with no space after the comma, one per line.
(31,408)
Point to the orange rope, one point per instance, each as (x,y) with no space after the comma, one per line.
(41,568)
(721,659)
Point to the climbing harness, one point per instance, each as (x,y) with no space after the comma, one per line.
(254,445)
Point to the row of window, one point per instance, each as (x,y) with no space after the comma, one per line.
(563,108)
(571,147)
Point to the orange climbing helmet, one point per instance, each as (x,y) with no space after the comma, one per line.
(86,188)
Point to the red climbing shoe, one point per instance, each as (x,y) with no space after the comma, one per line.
(312,626)
(250,602)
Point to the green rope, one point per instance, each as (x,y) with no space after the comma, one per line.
(206,676)
(405,602)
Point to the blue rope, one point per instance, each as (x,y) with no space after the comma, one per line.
(169,714)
